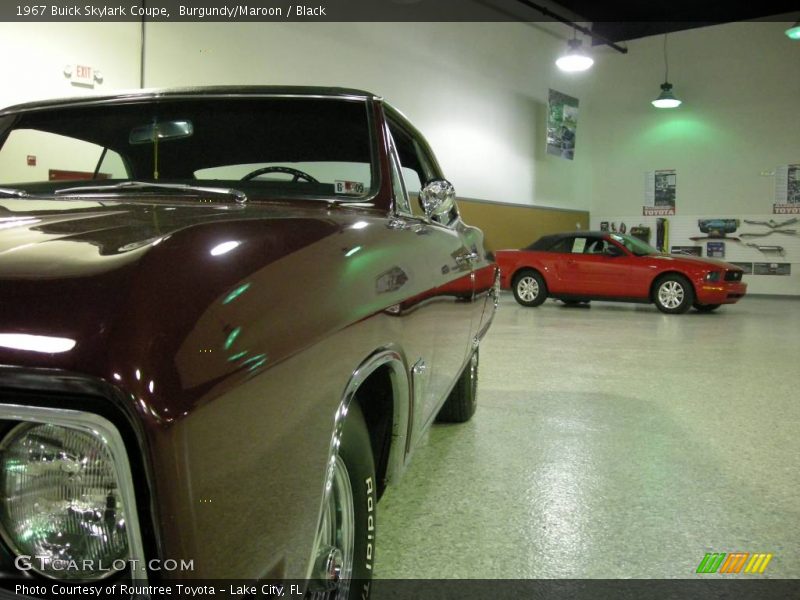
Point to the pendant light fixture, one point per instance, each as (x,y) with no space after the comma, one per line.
(666,99)
(793,33)
(575,59)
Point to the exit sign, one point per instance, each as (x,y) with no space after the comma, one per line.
(82,75)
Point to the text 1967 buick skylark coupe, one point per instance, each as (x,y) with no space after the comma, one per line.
(224,325)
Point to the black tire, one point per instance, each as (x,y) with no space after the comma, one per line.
(355,452)
(673,294)
(529,288)
(463,400)
(706,307)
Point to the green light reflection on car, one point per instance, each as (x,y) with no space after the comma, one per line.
(236,293)
(232,338)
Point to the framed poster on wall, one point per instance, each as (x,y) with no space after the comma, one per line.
(787,190)
(715,249)
(660,191)
(562,124)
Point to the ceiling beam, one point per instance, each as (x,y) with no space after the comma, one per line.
(595,36)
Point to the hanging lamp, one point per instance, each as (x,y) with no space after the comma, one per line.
(575,58)
(667,98)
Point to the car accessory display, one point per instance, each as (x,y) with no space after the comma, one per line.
(770,232)
(603,225)
(622,227)
(718,227)
(772,269)
(687,250)
(662,234)
(700,238)
(767,249)
(641,232)
(772,224)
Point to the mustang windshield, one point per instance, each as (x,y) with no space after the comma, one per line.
(264,146)
(635,245)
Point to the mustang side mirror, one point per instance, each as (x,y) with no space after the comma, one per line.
(438,198)
(612,250)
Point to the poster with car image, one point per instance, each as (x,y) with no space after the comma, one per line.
(562,124)
(660,191)
(787,190)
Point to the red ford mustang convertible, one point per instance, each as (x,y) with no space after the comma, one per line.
(582,266)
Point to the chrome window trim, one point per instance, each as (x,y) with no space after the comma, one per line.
(100,427)
(135,97)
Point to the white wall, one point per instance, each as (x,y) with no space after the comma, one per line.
(34,56)
(741,115)
(740,84)
(478,91)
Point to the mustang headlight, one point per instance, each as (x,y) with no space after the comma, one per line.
(713,276)
(60,502)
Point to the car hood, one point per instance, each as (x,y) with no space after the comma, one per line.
(124,281)
(44,239)
(695,261)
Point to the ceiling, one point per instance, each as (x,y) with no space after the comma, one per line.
(622,20)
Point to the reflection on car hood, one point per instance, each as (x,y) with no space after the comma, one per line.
(61,238)
(695,260)
(103,274)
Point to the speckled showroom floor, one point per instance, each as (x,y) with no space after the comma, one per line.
(611,442)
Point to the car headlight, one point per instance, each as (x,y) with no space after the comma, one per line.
(713,276)
(60,501)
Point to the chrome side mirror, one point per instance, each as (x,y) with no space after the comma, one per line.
(437,199)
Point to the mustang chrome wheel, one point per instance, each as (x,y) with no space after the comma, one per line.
(528,288)
(671,294)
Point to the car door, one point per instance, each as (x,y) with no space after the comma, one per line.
(599,273)
(446,307)
(571,267)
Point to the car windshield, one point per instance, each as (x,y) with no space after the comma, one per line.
(264,146)
(634,245)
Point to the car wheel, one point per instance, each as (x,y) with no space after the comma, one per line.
(345,543)
(463,400)
(706,307)
(529,288)
(673,294)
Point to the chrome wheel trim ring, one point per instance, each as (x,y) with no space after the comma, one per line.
(528,288)
(337,528)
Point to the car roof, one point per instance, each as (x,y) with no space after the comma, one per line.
(193,92)
(579,232)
